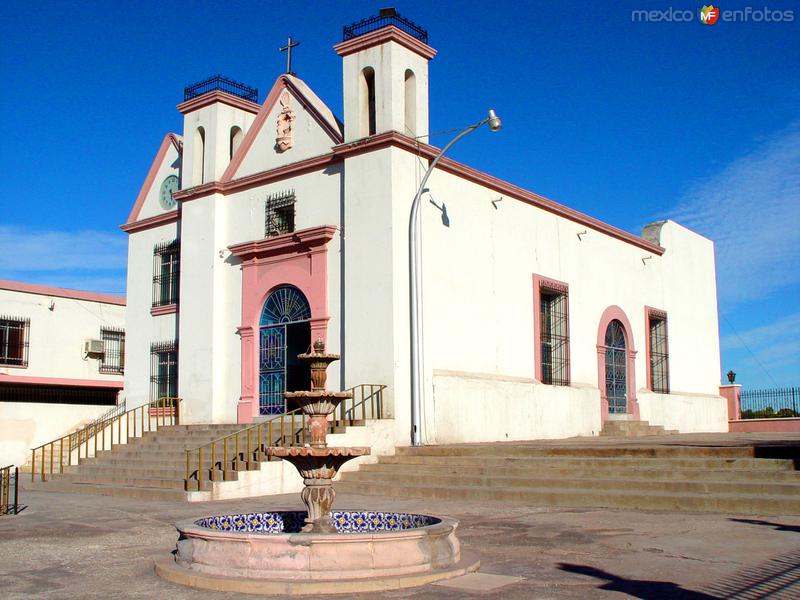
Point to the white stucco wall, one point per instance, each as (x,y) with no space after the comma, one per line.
(142,328)
(58,329)
(170,165)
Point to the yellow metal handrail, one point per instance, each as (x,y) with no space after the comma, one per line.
(366,403)
(9,503)
(136,422)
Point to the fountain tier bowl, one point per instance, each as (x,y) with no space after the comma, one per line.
(262,553)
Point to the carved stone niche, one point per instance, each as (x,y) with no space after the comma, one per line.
(285,129)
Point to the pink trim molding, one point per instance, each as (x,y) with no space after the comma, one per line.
(610,314)
(316,163)
(45,290)
(425,151)
(150,222)
(381,36)
(540,283)
(218,96)
(299,259)
(650,312)
(167,309)
(283,82)
(170,139)
(61,381)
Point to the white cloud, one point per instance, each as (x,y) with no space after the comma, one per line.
(83,260)
(751,209)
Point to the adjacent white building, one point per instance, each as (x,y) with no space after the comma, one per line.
(62,359)
(262,227)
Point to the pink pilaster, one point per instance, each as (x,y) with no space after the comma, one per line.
(732,393)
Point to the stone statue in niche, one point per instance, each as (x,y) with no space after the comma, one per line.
(285,139)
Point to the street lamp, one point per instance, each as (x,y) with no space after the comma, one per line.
(413,275)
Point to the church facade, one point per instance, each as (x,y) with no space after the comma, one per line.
(264,227)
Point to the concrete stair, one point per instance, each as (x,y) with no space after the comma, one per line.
(658,477)
(154,465)
(633,429)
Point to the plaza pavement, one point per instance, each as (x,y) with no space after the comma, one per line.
(83,546)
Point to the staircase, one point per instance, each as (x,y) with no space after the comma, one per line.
(151,467)
(602,474)
(633,429)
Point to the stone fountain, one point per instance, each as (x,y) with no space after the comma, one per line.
(317,463)
(320,550)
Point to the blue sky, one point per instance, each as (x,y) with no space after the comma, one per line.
(627,121)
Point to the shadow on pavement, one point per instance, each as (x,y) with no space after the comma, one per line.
(777,526)
(638,588)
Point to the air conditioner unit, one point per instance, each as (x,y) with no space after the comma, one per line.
(94,347)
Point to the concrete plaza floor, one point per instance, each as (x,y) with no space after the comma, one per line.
(83,546)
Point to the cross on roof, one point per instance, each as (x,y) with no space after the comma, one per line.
(288,49)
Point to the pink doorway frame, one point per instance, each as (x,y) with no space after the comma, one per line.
(299,259)
(632,405)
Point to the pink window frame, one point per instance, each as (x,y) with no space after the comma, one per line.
(553,285)
(650,312)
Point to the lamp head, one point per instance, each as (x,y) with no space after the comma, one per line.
(494,121)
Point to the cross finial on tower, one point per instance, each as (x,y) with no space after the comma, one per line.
(288,49)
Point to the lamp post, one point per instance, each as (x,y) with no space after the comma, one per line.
(413,275)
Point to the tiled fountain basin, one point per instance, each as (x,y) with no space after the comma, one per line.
(251,552)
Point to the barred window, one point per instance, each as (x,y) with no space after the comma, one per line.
(279,214)
(14,336)
(554,334)
(166,272)
(659,352)
(163,370)
(113,360)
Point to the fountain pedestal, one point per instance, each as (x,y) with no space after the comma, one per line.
(343,551)
(318,467)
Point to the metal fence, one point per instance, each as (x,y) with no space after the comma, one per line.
(223,84)
(385,18)
(774,403)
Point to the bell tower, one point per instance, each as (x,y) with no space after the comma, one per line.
(385,76)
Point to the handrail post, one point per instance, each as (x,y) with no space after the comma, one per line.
(33,465)
(199,467)
(213,459)
(186,479)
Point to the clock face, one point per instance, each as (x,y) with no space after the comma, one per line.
(168,187)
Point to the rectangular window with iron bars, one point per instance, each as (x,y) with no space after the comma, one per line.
(552,300)
(279,214)
(14,340)
(658,369)
(163,370)
(113,360)
(166,272)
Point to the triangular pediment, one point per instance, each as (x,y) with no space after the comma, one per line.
(166,164)
(292,125)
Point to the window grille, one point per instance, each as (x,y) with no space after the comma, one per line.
(279,214)
(166,272)
(14,340)
(554,336)
(113,360)
(163,370)
(659,352)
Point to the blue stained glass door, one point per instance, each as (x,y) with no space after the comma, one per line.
(283,310)
(616,369)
